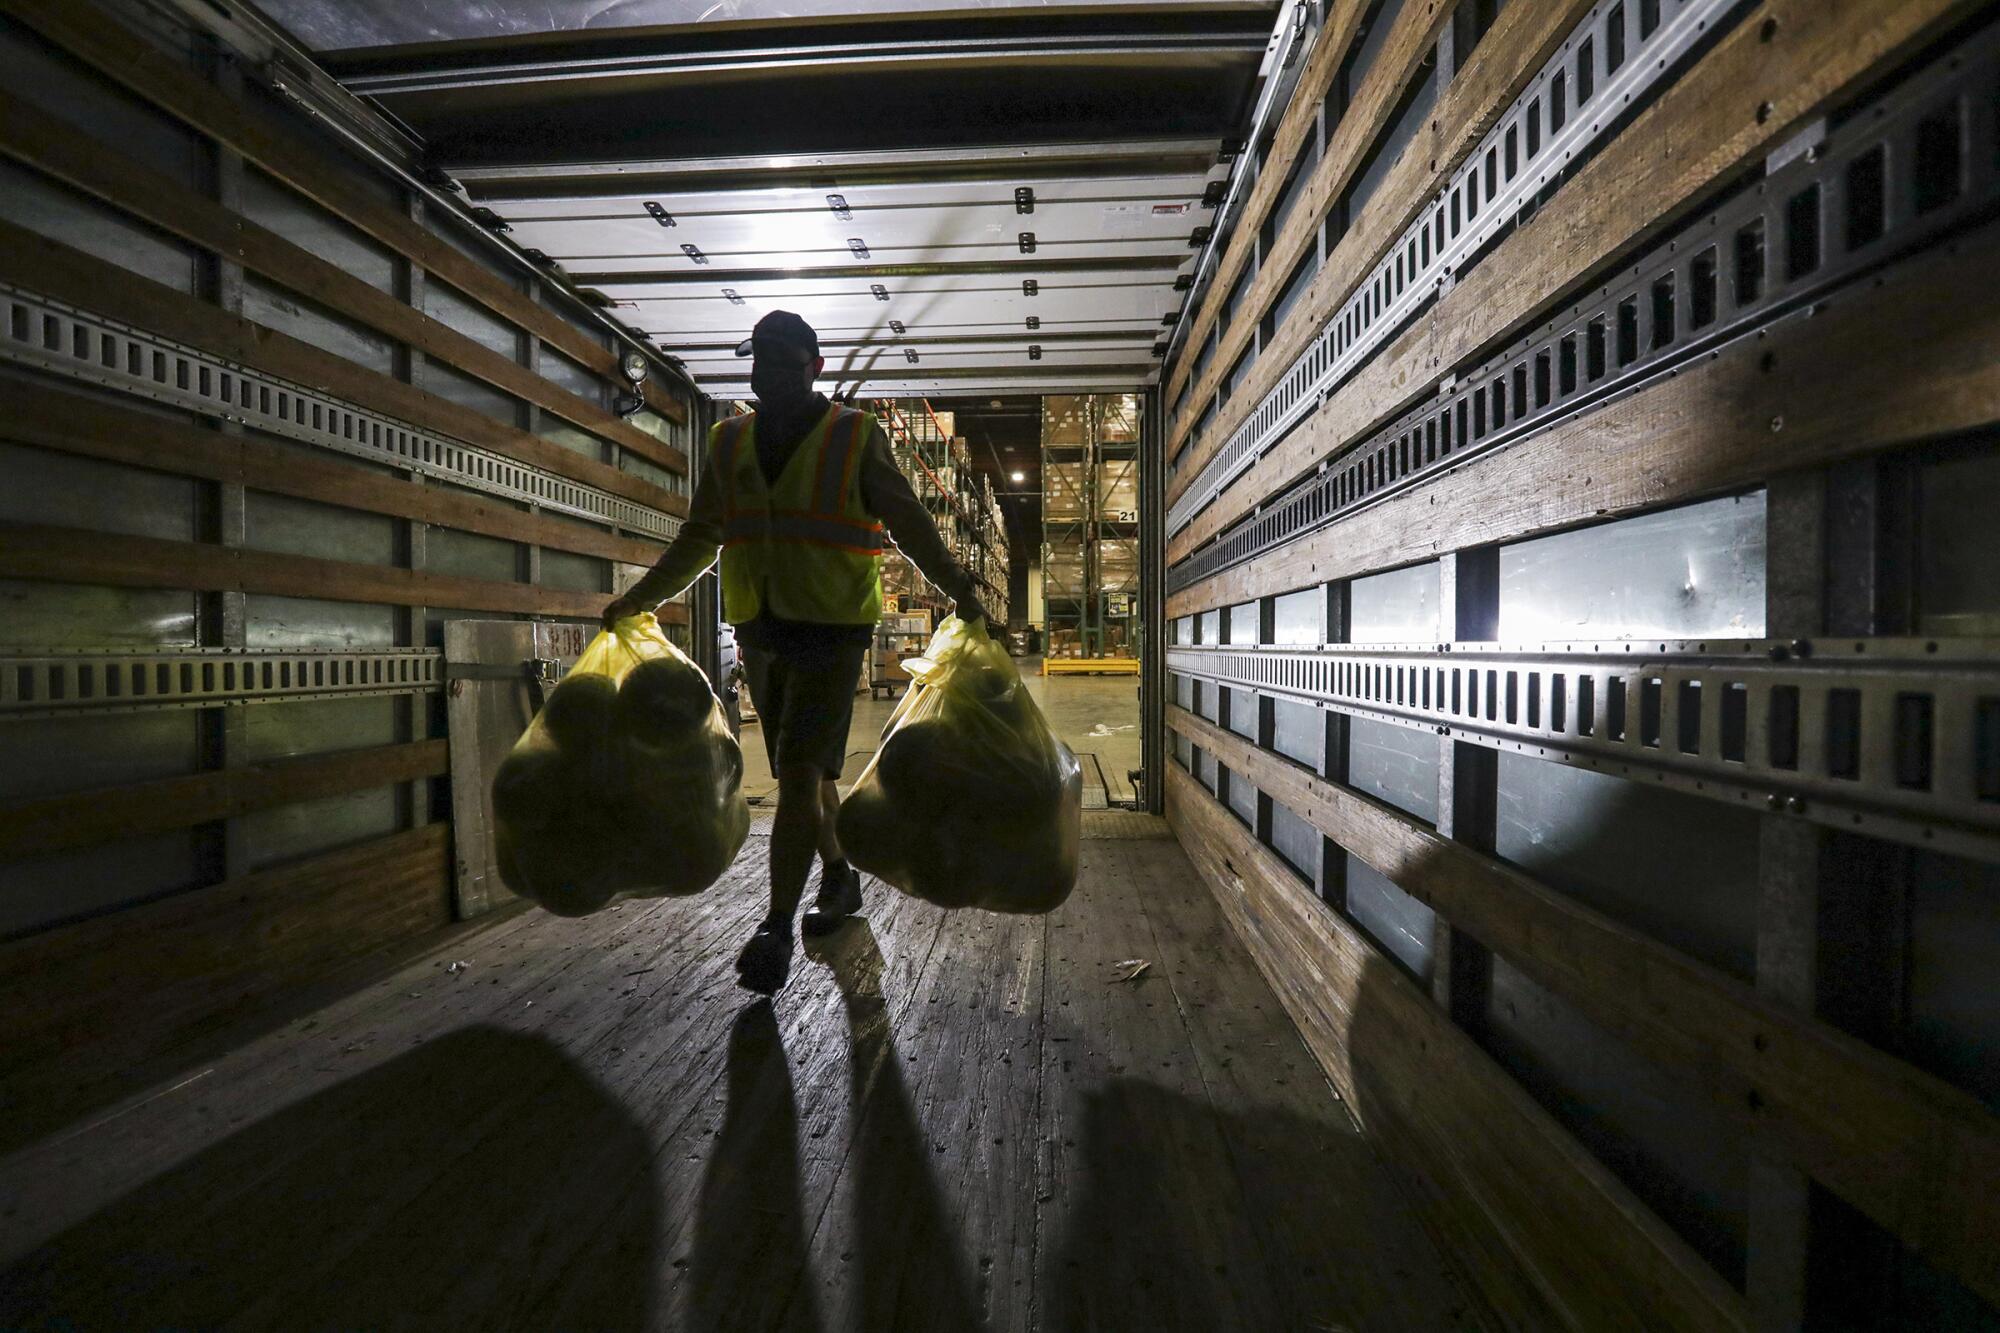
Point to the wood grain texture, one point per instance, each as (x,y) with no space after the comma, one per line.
(1915,1154)
(945,1120)
(155,76)
(211,945)
(1703,129)
(40,264)
(83,1006)
(50,418)
(1507,58)
(1834,385)
(1371,109)
(1296,126)
(62,151)
(76,555)
(79,819)
(1549,1237)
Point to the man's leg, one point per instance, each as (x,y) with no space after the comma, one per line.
(767,960)
(829,813)
(839,883)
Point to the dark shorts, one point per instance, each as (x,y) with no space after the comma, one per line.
(805,702)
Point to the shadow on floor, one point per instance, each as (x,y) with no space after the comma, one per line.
(427,1192)
(750,1232)
(1174,1215)
(895,1261)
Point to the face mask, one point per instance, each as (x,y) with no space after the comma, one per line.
(781,384)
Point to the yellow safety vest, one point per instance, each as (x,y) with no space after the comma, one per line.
(805,548)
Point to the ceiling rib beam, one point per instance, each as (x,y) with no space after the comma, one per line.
(424,75)
(1016,164)
(709,275)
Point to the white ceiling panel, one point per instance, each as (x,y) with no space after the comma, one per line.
(692,316)
(869,360)
(816,238)
(331,25)
(860,198)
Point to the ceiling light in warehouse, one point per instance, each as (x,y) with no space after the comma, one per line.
(1018,476)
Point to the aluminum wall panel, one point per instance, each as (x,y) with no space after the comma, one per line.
(575,573)
(1677,867)
(280,310)
(39,205)
(472,556)
(1954,939)
(278,208)
(629,462)
(43,890)
(1243,714)
(1298,842)
(306,527)
(463,315)
(1299,732)
(35,73)
(54,756)
(317,726)
(1243,623)
(1242,796)
(289,832)
(306,622)
(1392,918)
(1666,1140)
(472,393)
(1958,581)
(559,370)
(1678,574)
(1400,606)
(1394,764)
(73,615)
(1300,617)
(45,487)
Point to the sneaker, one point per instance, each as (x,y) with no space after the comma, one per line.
(766,960)
(839,898)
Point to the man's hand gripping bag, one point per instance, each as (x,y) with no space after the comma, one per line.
(971,801)
(626,783)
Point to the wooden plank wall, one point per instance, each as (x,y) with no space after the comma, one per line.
(165,872)
(1862,1151)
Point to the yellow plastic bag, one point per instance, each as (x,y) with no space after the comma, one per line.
(627,781)
(971,801)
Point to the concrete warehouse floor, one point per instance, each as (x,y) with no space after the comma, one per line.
(1096,716)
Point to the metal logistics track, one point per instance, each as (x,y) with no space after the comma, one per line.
(1917,164)
(1895,737)
(35,684)
(50,335)
(1614,58)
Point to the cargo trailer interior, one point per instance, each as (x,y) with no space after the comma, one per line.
(1493,489)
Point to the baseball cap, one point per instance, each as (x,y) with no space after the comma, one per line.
(780,328)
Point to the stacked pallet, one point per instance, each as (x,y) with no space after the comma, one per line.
(1090,519)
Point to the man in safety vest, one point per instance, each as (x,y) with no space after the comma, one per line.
(797,496)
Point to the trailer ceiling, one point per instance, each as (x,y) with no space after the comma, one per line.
(987,198)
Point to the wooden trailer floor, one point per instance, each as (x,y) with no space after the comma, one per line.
(945,1121)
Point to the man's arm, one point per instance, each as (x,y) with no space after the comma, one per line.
(887,494)
(691,552)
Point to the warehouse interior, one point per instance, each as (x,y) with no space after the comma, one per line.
(1496,494)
